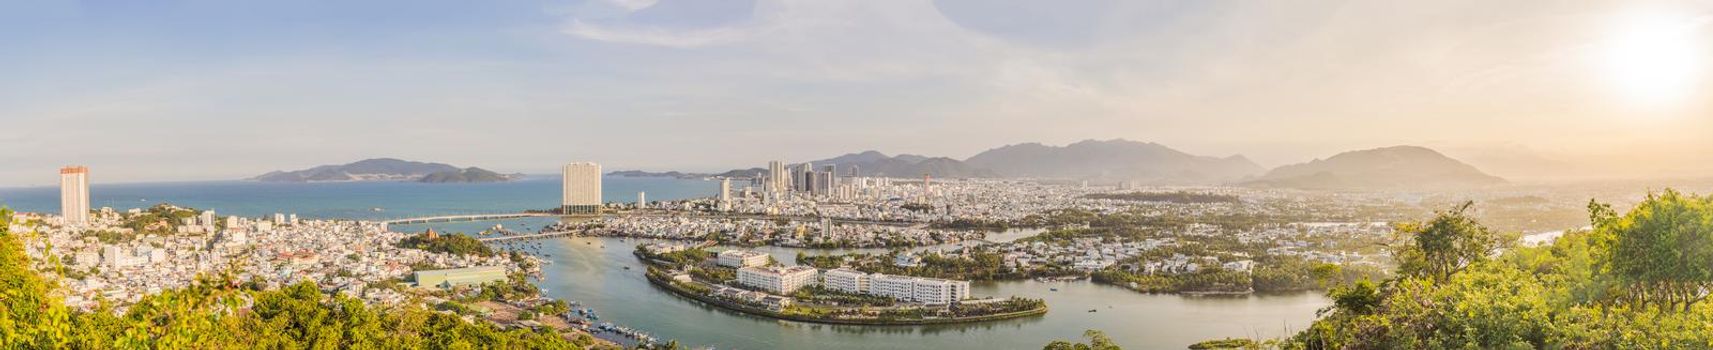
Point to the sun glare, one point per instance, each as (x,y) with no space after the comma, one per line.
(1654,58)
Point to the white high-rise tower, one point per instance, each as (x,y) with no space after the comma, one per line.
(726,194)
(582,188)
(777,180)
(74,194)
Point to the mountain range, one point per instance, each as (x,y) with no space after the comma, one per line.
(1122,160)
(1396,167)
(385,169)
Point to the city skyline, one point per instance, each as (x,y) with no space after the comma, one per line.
(213,91)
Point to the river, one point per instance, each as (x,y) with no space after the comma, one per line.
(592,270)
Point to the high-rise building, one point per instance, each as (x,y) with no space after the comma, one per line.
(641,200)
(74,194)
(582,188)
(726,194)
(778,180)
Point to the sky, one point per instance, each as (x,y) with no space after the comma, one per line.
(215,89)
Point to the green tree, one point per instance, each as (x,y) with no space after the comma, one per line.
(1662,250)
(1446,244)
(1097,340)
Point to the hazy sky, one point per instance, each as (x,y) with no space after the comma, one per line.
(216,89)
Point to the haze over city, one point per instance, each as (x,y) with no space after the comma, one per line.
(194,90)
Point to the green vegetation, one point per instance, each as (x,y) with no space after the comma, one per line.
(1097,340)
(215,313)
(973,266)
(464,175)
(917,207)
(108,236)
(1445,245)
(1179,197)
(820,295)
(161,219)
(1633,282)
(974,224)
(447,243)
(1227,343)
(515,287)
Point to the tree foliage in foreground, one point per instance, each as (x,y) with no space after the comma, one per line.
(1097,340)
(215,313)
(1626,284)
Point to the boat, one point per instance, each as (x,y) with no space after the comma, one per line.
(1093,310)
(1053,289)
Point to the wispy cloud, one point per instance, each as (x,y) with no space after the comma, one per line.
(654,36)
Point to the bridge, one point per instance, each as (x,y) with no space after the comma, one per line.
(461,218)
(524,237)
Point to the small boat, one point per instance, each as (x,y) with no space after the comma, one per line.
(627,267)
(1093,310)
(1053,289)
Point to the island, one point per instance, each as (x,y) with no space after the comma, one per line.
(753,283)
(467,175)
(388,169)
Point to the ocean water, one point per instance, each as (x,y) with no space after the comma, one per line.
(353,200)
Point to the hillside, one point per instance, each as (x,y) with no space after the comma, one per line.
(379,169)
(1389,168)
(1122,160)
(467,175)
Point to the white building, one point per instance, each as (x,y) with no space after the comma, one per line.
(907,260)
(896,287)
(582,188)
(726,194)
(74,194)
(846,280)
(777,279)
(916,289)
(939,291)
(777,180)
(742,258)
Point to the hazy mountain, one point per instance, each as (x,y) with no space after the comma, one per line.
(873,163)
(671,174)
(380,169)
(1113,160)
(1398,167)
(466,175)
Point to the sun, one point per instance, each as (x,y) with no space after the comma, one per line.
(1654,58)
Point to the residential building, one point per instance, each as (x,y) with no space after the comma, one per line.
(582,188)
(742,258)
(939,291)
(777,180)
(777,279)
(846,280)
(916,289)
(726,194)
(74,194)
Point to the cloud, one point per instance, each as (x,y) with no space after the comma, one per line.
(654,36)
(633,5)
